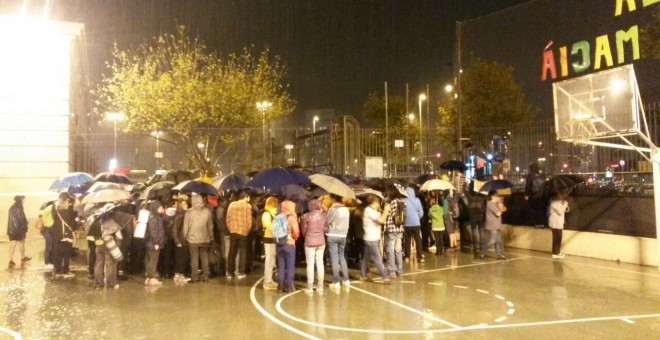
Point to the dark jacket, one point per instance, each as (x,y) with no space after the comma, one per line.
(17,224)
(179,237)
(64,223)
(155,229)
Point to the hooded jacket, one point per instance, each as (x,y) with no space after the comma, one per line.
(414,210)
(289,209)
(338,220)
(155,229)
(198,222)
(313,225)
(270,211)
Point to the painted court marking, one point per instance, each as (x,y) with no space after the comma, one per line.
(14,334)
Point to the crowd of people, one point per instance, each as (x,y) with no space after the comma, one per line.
(191,238)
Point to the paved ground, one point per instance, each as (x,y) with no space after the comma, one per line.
(527,296)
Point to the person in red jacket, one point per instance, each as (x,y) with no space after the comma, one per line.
(286,254)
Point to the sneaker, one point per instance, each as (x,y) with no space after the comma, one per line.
(26,259)
(229,276)
(364,279)
(392,274)
(421,259)
(346,283)
(146,281)
(58,276)
(558,256)
(155,282)
(335,285)
(48,266)
(184,278)
(501,257)
(177,277)
(309,290)
(68,276)
(12,264)
(387,281)
(240,275)
(115,287)
(270,286)
(319,288)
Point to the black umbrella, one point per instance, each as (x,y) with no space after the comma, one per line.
(113,178)
(453,165)
(232,182)
(421,179)
(274,178)
(196,186)
(157,191)
(560,183)
(496,184)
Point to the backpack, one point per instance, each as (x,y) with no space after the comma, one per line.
(279,229)
(537,184)
(47,216)
(399,218)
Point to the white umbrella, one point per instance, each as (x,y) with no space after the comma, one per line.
(332,185)
(436,184)
(107,195)
(363,191)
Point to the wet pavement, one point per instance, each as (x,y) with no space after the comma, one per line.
(454,296)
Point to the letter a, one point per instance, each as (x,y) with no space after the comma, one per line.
(619,6)
(603,50)
(548,65)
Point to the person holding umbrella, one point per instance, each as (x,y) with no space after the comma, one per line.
(17,227)
(558,208)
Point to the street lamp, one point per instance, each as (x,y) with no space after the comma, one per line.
(411,118)
(422,97)
(157,155)
(263,106)
(316,119)
(115,117)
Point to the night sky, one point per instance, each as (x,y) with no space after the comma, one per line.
(337,52)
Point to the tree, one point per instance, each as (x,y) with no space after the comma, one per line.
(194,96)
(650,37)
(490,97)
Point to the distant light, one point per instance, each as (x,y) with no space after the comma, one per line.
(316,118)
(622,163)
(422,96)
(489,157)
(517,169)
(200,145)
(113,165)
(617,85)
(115,116)
(411,116)
(449,88)
(288,146)
(438,155)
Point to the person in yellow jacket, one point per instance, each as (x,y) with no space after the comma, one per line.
(270,211)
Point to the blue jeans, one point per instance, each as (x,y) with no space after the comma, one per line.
(372,250)
(336,246)
(48,251)
(495,238)
(286,267)
(394,251)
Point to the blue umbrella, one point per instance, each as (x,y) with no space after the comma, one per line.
(274,179)
(71,179)
(233,182)
(496,184)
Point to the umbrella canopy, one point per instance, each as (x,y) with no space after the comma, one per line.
(233,182)
(332,185)
(107,195)
(560,183)
(112,177)
(364,191)
(97,186)
(176,176)
(274,179)
(348,179)
(421,179)
(436,184)
(318,192)
(199,187)
(294,192)
(70,179)
(495,185)
(453,165)
(157,191)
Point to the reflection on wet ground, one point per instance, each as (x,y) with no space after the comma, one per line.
(453,296)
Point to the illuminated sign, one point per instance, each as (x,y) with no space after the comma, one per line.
(598,53)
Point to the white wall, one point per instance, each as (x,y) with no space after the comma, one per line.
(637,250)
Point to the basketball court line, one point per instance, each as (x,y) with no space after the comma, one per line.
(465,266)
(586,264)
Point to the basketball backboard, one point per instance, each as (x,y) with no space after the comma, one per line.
(598,105)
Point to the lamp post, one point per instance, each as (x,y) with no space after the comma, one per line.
(422,97)
(263,106)
(157,155)
(288,148)
(411,118)
(316,119)
(115,117)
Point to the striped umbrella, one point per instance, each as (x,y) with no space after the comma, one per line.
(332,185)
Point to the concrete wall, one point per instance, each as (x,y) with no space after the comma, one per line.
(637,250)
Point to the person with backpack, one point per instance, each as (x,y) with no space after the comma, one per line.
(313,229)
(239,223)
(556,219)
(270,211)
(412,226)
(393,226)
(338,223)
(17,228)
(286,245)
